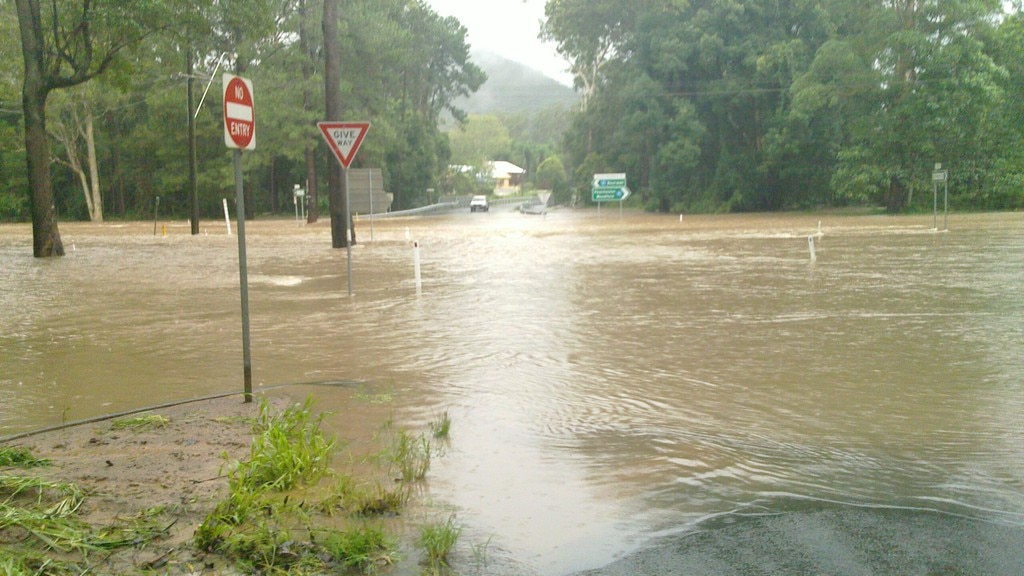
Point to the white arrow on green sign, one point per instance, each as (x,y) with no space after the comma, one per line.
(615,180)
(609,194)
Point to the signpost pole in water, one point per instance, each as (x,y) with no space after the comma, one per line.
(416,267)
(945,205)
(243,278)
(156,208)
(370,172)
(351,233)
(227,219)
(810,246)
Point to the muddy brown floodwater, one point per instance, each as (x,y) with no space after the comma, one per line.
(610,380)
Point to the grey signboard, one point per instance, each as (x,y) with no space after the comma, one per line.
(361,183)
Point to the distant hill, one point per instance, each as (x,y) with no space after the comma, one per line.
(512,87)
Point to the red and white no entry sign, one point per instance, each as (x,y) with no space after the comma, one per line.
(239,113)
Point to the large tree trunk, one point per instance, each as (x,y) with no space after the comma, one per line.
(313,207)
(332,96)
(45,235)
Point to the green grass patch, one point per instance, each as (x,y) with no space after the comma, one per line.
(140,423)
(441,426)
(407,455)
(20,457)
(350,498)
(49,498)
(364,548)
(437,541)
(22,562)
(287,511)
(42,515)
(289,449)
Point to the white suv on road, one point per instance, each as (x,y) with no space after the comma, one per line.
(478,204)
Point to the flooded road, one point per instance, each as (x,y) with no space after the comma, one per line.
(609,379)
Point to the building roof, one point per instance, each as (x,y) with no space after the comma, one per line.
(501,168)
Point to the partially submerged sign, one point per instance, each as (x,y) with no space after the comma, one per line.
(366,191)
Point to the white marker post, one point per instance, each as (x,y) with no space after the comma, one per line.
(227,218)
(810,246)
(416,267)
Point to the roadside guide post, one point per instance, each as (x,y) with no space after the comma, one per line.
(609,188)
(940,175)
(240,134)
(344,139)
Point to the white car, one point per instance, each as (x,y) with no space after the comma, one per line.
(478,204)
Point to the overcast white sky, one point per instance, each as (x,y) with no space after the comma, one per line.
(508,28)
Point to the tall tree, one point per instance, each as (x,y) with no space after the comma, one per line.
(588,33)
(309,60)
(332,96)
(64,44)
(75,131)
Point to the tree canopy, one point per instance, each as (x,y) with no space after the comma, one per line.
(706,105)
(740,105)
(403,67)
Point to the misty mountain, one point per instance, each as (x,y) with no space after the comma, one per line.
(512,87)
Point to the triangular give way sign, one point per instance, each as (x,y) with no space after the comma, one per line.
(344,138)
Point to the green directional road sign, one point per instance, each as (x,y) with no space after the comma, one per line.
(609,194)
(609,187)
(614,180)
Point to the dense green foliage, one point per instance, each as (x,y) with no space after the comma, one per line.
(706,105)
(739,105)
(404,66)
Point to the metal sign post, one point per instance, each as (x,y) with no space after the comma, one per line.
(240,134)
